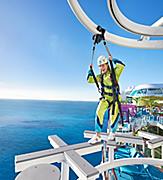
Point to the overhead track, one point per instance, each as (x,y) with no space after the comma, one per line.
(122,41)
(129,25)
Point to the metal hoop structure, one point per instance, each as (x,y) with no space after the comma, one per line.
(131,26)
(122,41)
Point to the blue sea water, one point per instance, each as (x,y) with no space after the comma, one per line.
(26,124)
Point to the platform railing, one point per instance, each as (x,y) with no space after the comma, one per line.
(128,161)
(70,156)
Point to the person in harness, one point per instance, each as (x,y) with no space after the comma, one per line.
(106,100)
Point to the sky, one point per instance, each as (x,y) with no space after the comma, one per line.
(45,52)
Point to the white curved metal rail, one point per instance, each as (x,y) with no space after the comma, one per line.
(128,161)
(129,25)
(122,41)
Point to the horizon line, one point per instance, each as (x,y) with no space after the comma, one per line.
(35,99)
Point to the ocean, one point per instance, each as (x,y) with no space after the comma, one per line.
(26,124)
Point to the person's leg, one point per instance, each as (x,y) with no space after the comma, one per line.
(101,109)
(113,124)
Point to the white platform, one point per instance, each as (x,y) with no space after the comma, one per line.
(40,172)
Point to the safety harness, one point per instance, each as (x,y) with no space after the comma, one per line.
(97,38)
(103,86)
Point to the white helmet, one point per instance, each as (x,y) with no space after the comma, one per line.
(101,60)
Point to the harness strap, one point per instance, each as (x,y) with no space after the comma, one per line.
(97,39)
(109,102)
(94,77)
(105,86)
(107,93)
(102,83)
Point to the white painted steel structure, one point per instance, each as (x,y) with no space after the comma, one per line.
(40,172)
(131,26)
(72,159)
(70,156)
(53,155)
(123,162)
(156,24)
(119,137)
(155,141)
(133,43)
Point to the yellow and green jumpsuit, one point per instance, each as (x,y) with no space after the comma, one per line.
(106,100)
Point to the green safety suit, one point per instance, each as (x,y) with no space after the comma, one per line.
(106,100)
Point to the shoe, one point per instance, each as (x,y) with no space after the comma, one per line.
(95,139)
(111,136)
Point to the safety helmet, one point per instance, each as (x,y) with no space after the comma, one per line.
(101,60)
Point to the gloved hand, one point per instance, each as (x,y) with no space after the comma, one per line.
(117,61)
(90,72)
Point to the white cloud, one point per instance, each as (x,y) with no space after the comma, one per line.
(12,92)
(2,84)
(18,93)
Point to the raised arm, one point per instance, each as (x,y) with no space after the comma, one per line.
(119,68)
(90,78)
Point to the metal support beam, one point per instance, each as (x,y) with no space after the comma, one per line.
(57,142)
(148,135)
(53,155)
(47,156)
(154,143)
(143,148)
(119,137)
(111,154)
(64,171)
(153,153)
(80,166)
